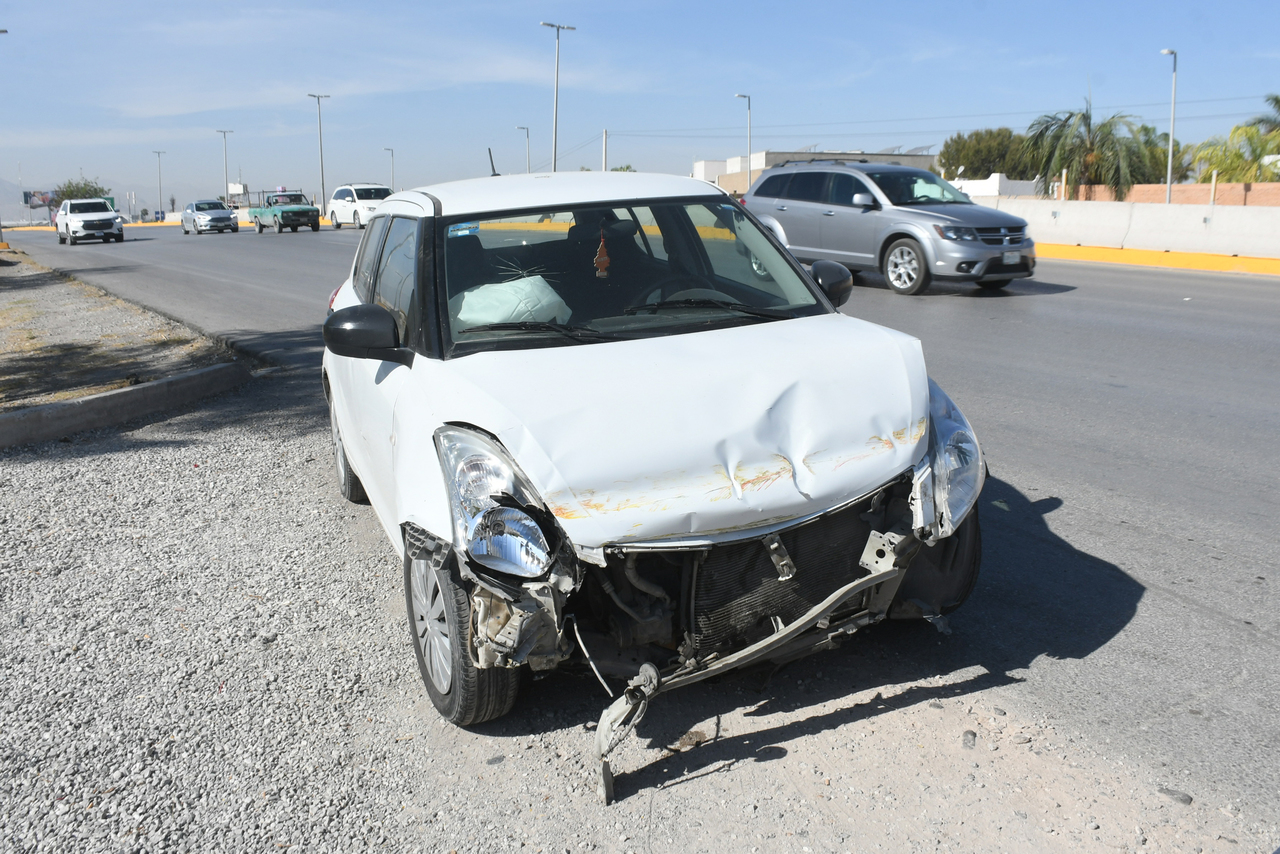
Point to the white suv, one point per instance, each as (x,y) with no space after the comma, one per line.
(355,203)
(85,219)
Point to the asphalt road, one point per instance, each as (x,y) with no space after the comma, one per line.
(1130,418)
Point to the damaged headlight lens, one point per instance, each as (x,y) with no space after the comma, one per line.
(958,468)
(487,491)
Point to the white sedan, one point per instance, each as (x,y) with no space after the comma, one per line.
(608,421)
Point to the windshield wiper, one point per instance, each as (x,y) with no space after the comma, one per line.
(703,302)
(577,333)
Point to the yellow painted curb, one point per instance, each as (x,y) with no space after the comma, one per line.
(4,245)
(1152,258)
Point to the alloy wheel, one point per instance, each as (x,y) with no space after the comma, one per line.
(903,268)
(430,626)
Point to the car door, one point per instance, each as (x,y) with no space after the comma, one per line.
(188,216)
(799,211)
(848,232)
(378,383)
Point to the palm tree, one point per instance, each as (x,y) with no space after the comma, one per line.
(1106,153)
(1269,123)
(1246,155)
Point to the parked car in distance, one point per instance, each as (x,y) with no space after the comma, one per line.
(773,476)
(88,219)
(285,209)
(354,204)
(208,215)
(905,222)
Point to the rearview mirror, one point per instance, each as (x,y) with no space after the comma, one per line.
(365,332)
(835,280)
(864,200)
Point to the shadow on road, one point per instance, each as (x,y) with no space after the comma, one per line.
(1037,596)
(1016,288)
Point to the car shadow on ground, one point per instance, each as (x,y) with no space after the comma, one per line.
(1016,288)
(1038,596)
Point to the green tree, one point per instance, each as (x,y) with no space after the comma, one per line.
(1157,165)
(1269,123)
(81,188)
(1239,157)
(983,152)
(626,168)
(1105,153)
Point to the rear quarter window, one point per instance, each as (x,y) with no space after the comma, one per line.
(773,186)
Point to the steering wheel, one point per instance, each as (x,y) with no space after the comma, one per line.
(688,280)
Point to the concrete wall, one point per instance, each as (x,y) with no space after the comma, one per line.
(995,185)
(1215,229)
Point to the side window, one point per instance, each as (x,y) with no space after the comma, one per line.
(367,262)
(337,195)
(843,188)
(346,196)
(396,286)
(773,187)
(806,186)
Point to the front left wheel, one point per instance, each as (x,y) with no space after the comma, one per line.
(906,269)
(440,622)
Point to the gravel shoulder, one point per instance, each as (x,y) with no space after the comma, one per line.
(62,339)
(205,650)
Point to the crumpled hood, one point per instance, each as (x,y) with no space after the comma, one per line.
(700,435)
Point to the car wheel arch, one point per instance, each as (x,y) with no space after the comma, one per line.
(773,225)
(900,233)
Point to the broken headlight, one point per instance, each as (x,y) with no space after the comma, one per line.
(488,494)
(958,469)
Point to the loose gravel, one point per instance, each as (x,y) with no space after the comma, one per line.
(204,649)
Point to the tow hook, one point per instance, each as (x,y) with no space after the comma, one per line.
(619,719)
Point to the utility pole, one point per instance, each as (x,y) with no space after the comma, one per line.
(1173,114)
(748,163)
(226,179)
(320,129)
(393,168)
(159,183)
(604,157)
(555,102)
(526,147)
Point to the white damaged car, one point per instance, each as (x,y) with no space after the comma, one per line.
(610,422)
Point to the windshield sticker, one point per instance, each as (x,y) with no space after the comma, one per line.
(462,229)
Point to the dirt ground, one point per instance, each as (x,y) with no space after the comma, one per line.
(62,339)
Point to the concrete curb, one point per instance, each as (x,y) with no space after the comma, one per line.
(55,420)
(1153,258)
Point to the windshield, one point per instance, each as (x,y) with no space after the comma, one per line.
(210,206)
(287,199)
(372,194)
(916,187)
(90,207)
(560,277)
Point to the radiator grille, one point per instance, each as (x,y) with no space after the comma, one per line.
(1002,236)
(738,590)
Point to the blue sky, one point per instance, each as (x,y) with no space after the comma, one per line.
(96,87)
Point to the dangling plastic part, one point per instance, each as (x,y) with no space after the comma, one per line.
(602,258)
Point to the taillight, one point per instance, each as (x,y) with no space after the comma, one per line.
(333,296)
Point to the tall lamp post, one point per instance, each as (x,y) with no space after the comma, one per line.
(555,102)
(393,168)
(159,182)
(320,129)
(526,147)
(748,163)
(1173,114)
(226,179)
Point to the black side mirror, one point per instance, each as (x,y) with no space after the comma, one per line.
(366,332)
(835,280)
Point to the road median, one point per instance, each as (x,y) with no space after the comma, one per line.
(1153,258)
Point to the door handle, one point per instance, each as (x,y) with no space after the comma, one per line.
(780,208)
(828,213)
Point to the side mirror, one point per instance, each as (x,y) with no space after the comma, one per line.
(366,332)
(835,280)
(864,200)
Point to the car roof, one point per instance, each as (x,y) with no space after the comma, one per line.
(827,165)
(203,201)
(360,185)
(73,201)
(514,192)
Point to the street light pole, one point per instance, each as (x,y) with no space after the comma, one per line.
(393,168)
(526,147)
(320,129)
(748,164)
(1173,114)
(226,179)
(555,101)
(159,181)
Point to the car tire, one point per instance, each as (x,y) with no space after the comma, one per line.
(279,225)
(355,219)
(235,229)
(62,238)
(257,223)
(120,237)
(71,238)
(315,226)
(293,229)
(349,484)
(942,576)
(906,269)
(439,612)
(333,220)
(184,228)
(996,285)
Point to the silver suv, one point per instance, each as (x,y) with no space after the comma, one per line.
(905,222)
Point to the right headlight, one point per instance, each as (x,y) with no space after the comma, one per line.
(958,468)
(490,499)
